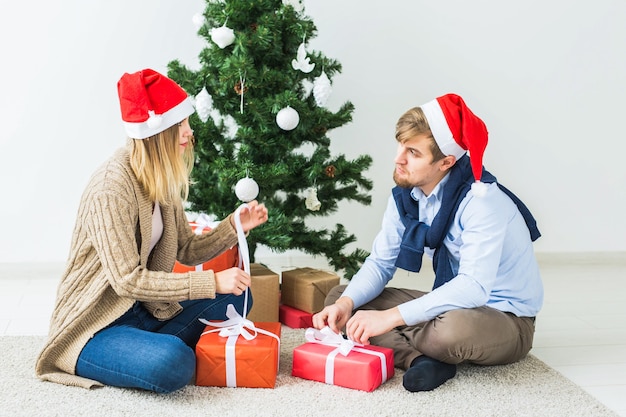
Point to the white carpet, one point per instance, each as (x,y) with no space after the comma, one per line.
(528,388)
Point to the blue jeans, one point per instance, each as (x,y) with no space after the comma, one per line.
(140,351)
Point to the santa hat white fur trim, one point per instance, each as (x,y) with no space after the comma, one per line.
(445,140)
(440,129)
(168,119)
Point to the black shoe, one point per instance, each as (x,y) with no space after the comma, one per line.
(426,374)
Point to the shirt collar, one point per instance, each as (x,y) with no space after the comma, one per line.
(436,195)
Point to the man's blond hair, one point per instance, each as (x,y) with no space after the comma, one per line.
(413,123)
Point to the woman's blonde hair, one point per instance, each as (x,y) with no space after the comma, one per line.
(159,166)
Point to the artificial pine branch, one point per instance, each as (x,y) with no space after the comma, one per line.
(284,163)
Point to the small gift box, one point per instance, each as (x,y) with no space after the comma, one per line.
(328,357)
(307,288)
(225,260)
(265,290)
(238,353)
(294,318)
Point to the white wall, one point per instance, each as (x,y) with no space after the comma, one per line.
(547,77)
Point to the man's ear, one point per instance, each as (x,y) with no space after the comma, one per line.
(447,162)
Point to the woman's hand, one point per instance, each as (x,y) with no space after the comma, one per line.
(232,281)
(252,216)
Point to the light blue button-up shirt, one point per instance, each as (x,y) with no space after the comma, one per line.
(491,256)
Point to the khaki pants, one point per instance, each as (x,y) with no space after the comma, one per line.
(482,335)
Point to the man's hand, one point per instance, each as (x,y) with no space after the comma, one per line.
(335,315)
(369,323)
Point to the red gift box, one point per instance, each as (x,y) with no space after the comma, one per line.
(362,367)
(227,259)
(241,354)
(294,318)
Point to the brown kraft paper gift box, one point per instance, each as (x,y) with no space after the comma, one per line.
(306,288)
(265,294)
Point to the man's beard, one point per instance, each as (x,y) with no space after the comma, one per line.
(400,182)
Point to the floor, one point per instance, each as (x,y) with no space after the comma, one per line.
(581,331)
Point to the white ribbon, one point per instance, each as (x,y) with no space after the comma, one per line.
(237,324)
(244,253)
(344,346)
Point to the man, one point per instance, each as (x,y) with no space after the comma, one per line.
(487,288)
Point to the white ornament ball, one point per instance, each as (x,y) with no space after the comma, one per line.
(246,189)
(223,36)
(287,118)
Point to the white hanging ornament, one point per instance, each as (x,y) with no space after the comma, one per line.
(287,118)
(222,36)
(198,20)
(301,62)
(246,189)
(321,89)
(204,104)
(311,202)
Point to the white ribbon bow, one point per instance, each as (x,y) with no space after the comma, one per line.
(203,221)
(344,346)
(235,325)
(329,338)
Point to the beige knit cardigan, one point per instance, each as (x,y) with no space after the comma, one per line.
(109,266)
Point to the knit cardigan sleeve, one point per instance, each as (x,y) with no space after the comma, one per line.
(195,249)
(120,225)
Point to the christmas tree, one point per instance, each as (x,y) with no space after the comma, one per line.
(261,117)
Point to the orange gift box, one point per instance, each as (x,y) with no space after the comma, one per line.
(225,260)
(255,361)
(294,318)
(363,368)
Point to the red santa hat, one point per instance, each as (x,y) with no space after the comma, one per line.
(150,103)
(457,130)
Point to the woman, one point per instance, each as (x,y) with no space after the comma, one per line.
(122,318)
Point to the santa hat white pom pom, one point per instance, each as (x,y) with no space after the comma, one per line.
(154,120)
(479,189)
